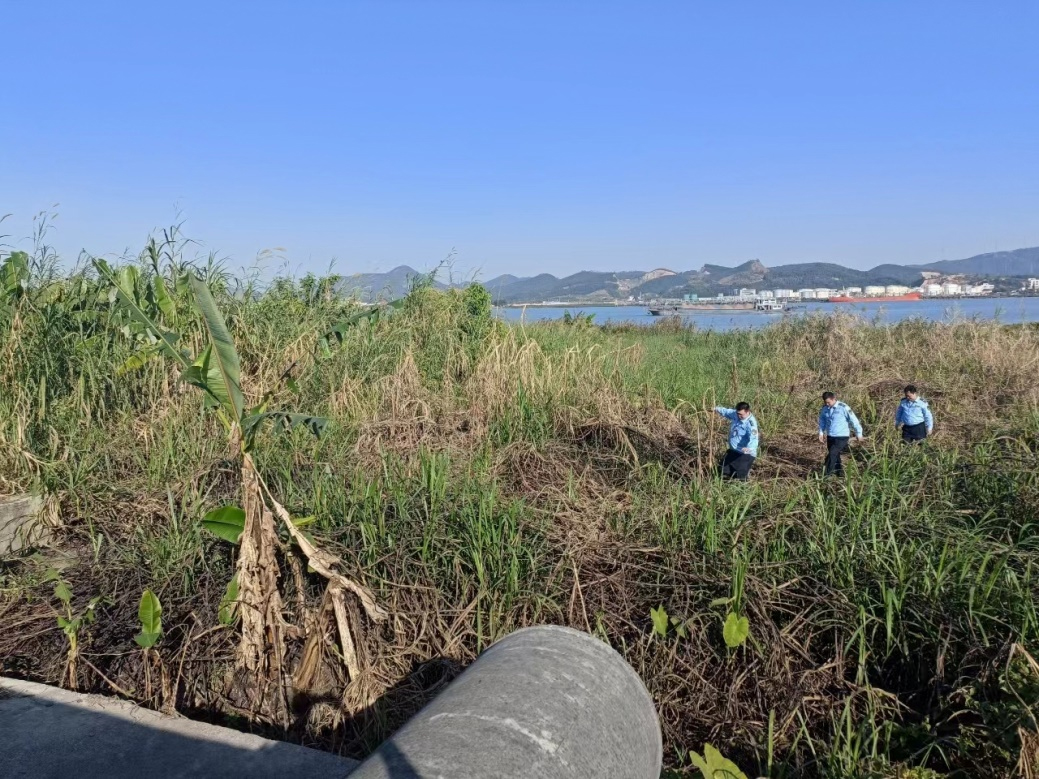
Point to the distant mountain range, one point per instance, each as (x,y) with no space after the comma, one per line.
(382,286)
(1019,262)
(589,286)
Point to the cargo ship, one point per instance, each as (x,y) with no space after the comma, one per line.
(909,297)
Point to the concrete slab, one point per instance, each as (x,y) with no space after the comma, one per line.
(46,732)
(21,523)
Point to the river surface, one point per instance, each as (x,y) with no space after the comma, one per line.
(1006,310)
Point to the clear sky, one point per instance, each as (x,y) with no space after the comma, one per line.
(529,136)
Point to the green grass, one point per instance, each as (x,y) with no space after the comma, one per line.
(480,477)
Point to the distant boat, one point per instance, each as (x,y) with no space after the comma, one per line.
(909,297)
(761,307)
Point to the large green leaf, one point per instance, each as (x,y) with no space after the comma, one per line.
(162,297)
(227,522)
(126,279)
(14,273)
(282,420)
(338,332)
(150,615)
(49,294)
(224,375)
(129,301)
(180,283)
(138,360)
(205,376)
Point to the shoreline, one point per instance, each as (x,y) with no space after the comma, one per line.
(630,304)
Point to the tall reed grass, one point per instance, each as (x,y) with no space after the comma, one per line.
(481,477)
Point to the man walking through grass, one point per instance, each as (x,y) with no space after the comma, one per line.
(913,417)
(743,441)
(836,421)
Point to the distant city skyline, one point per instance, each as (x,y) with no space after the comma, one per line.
(528,138)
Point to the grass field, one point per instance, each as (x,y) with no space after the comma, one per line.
(477,477)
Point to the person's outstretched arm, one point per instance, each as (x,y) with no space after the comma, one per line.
(728,413)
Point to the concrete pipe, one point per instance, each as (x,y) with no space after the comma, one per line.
(543,703)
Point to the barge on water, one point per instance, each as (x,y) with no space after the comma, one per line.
(761,307)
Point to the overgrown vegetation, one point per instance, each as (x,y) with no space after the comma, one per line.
(478,477)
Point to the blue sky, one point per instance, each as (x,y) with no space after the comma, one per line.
(527,136)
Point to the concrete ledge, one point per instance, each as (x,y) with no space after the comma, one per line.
(47,732)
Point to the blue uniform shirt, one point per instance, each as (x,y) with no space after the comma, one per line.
(913,412)
(743,433)
(835,420)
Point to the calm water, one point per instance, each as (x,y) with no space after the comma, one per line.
(1007,310)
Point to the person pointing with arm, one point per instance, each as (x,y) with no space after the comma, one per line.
(836,421)
(743,441)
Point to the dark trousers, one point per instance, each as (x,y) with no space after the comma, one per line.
(834,448)
(914,434)
(736,465)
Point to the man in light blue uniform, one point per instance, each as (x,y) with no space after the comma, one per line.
(836,421)
(913,417)
(743,441)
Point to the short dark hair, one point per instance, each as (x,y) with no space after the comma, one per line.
(828,395)
(910,388)
(741,406)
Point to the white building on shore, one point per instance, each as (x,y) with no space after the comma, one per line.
(981,289)
(928,288)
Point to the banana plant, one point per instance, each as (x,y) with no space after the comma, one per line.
(71,621)
(14,277)
(338,331)
(166,253)
(146,303)
(144,313)
(216,371)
